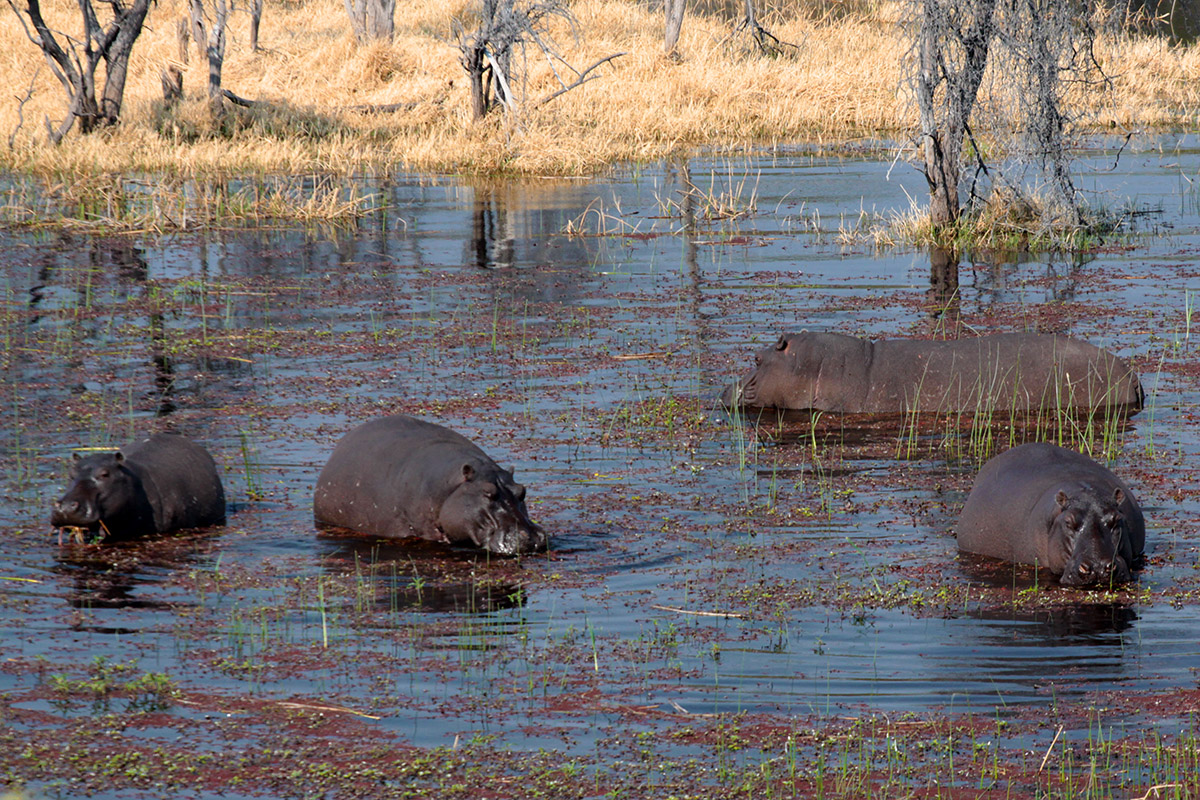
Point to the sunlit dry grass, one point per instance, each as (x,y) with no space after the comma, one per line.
(843,79)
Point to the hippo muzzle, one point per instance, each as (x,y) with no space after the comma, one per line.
(79,512)
(1096,572)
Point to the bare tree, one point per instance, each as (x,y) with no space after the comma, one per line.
(1035,49)
(212,46)
(674,23)
(256,12)
(76,70)
(507,26)
(372,20)
(951,40)
(1049,45)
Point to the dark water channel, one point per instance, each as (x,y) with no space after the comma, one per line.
(697,568)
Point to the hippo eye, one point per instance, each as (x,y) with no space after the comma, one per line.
(102,474)
(489,491)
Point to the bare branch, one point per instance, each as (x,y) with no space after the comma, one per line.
(583,78)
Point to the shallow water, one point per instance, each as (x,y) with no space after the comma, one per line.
(696,568)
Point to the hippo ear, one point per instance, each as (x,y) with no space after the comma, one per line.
(1118,495)
(119,456)
(518,492)
(74,455)
(782,343)
(1062,499)
(468,473)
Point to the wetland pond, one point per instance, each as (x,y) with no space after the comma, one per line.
(726,609)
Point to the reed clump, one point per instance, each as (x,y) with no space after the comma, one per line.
(1006,221)
(840,77)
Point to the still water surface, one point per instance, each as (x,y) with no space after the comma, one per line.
(592,363)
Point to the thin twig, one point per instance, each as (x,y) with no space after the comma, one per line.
(1050,749)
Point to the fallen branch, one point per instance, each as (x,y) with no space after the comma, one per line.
(239,101)
(733,614)
(366,108)
(583,78)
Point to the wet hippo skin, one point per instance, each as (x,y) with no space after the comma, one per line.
(1051,507)
(399,476)
(1000,372)
(162,483)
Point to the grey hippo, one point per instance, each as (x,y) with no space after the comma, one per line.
(999,372)
(162,483)
(400,476)
(1045,505)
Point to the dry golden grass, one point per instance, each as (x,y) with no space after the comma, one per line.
(845,81)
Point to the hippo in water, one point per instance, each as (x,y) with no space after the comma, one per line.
(159,484)
(399,476)
(1045,505)
(1000,372)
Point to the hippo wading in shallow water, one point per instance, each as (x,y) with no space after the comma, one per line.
(1044,505)
(1001,372)
(159,484)
(399,476)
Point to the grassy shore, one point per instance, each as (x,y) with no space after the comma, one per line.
(844,80)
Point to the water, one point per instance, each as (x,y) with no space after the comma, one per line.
(696,569)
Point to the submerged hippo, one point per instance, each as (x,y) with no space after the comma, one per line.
(1044,505)
(1000,372)
(399,476)
(159,484)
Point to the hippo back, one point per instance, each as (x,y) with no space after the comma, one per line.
(1000,372)
(180,480)
(387,477)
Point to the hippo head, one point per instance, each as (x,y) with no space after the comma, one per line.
(487,508)
(1089,538)
(777,380)
(101,486)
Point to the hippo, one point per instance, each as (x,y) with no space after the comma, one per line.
(1051,507)
(399,476)
(159,484)
(1000,372)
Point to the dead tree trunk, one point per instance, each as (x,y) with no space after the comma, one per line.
(77,71)
(256,10)
(172,85)
(214,49)
(199,34)
(952,49)
(372,20)
(181,38)
(674,13)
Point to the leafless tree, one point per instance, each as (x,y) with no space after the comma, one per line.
(1048,44)
(674,23)
(1035,48)
(256,12)
(951,40)
(505,28)
(209,31)
(74,63)
(372,20)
